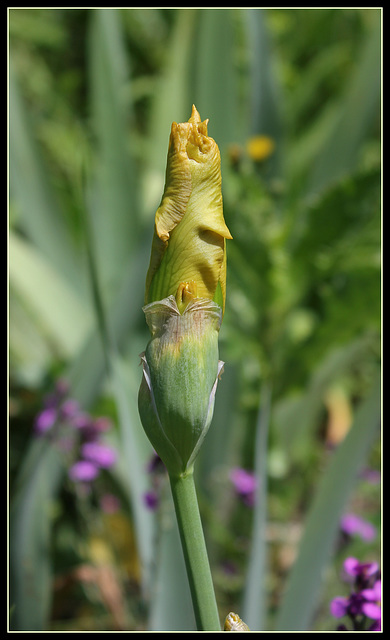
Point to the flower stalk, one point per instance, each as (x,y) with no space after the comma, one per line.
(195,552)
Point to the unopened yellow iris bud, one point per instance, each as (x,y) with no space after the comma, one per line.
(190,230)
(185,298)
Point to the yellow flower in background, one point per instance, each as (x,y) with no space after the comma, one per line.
(190,230)
(259,148)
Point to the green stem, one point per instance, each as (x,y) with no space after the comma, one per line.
(195,552)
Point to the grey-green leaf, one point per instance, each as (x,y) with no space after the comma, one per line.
(304,583)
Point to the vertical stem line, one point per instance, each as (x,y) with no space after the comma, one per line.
(195,552)
(254,593)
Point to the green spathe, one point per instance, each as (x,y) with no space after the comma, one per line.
(180,375)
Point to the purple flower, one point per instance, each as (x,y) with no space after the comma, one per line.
(82,421)
(372,608)
(364,601)
(360,570)
(157,473)
(78,433)
(90,428)
(339,607)
(355,604)
(83,471)
(99,454)
(45,420)
(371,475)
(69,409)
(155,464)
(245,483)
(102,424)
(352,525)
(151,500)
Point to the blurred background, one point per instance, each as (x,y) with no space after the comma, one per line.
(293,98)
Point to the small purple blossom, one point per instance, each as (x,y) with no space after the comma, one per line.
(77,434)
(371,475)
(360,571)
(245,484)
(373,597)
(364,602)
(339,607)
(54,398)
(155,464)
(372,610)
(151,500)
(82,421)
(45,420)
(102,424)
(352,525)
(83,471)
(157,475)
(90,428)
(229,568)
(100,454)
(69,409)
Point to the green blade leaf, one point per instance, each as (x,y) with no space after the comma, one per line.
(304,583)
(214,85)
(30,526)
(171,605)
(357,112)
(38,211)
(263,93)
(135,452)
(44,291)
(172,101)
(87,370)
(295,419)
(113,197)
(254,594)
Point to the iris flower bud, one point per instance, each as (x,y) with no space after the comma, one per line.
(190,231)
(233,622)
(185,298)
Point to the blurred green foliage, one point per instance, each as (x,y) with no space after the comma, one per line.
(92,94)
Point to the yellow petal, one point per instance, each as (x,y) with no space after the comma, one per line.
(190,230)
